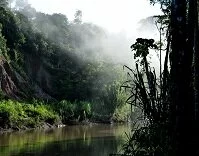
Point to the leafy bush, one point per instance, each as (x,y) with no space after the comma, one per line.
(65,109)
(148,140)
(83,110)
(70,111)
(14,114)
(122,113)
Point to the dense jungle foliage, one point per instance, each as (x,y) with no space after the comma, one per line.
(57,63)
(169,100)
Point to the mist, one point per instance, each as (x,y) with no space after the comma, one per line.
(77,58)
(102,43)
(73,60)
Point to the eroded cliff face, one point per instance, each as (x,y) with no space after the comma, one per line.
(39,78)
(13,85)
(7,85)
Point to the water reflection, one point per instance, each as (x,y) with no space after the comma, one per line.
(95,140)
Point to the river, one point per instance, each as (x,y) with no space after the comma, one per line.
(79,140)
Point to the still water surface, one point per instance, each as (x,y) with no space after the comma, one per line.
(89,140)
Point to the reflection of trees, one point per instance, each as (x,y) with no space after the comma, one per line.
(71,140)
(97,146)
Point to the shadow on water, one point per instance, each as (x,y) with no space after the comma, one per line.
(96,140)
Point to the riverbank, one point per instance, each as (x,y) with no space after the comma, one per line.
(47,126)
(17,116)
(43,126)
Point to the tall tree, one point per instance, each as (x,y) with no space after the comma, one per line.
(78,17)
(183,28)
(194,34)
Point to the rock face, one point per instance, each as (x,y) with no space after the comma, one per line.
(15,86)
(39,77)
(7,85)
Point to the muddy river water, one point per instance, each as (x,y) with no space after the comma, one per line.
(79,140)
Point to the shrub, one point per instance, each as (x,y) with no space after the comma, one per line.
(65,109)
(73,111)
(122,113)
(14,114)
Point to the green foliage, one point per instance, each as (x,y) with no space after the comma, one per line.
(122,113)
(65,109)
(147,94)
(110,104)
(84,109)
(50,60)
(20,115)
(73,111)
(146,91)
(171,108)
(3,47)
(149,140)
(13,36)
(11,29)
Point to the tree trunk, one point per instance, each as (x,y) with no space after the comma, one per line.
(196,72)
(181,64)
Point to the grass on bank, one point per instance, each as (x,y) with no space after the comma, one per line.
(18,115)
(21,115)
(73,111)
